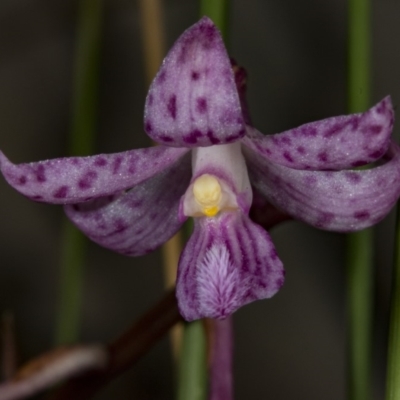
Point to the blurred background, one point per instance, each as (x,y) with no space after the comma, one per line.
(292,346)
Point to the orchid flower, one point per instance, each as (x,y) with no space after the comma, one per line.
(207,165)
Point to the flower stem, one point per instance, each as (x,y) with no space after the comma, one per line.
(84,106)
(193,368)
(221,383)
(359,55)
(359,297)
(393,366)
(360,254)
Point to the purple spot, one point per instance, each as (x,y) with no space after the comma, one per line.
(165,138)
(264,150)
(148,127)
(286,140)
(61,192)
(207,36)
(354,123)
(308,131)
(233,138)
(201,105)
(287,156)
(40,176)
(100,162)
(132,167)
(333,130)
(87,180)
(172,106)
(362,215)
(213,139)
(120,226)
(381,108)
(323,157)
(353,177)
(273,254)
(376,154)
(162,76)
(22,180)
(301,150)
(192,137)
(375,129)
(195,75)
(37,197)
(117,164)
(183,54)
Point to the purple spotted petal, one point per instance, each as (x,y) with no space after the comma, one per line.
(193,100)
(331,144)
(228,262)
(78,179)
(331,200)
(139,220)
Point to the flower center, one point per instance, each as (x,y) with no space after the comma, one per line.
(220,182)
(207,193)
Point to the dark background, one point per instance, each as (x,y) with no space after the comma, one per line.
(292,346)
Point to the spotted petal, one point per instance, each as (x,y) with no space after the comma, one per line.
(193,100)
(228,262)
(139,220)
(78,179)
(334,143)
(331,200)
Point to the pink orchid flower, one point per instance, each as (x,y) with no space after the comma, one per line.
(207,164)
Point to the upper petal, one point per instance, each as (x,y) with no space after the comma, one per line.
(228,262)
(193,100)
(139,220)
(334,143)
(77,179)
(331,200)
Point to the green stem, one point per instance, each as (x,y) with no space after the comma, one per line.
(359,55)
(86,78)
(84,106)
(359,296)
(73,253)
(193,363)
(360,253)
(393,367)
